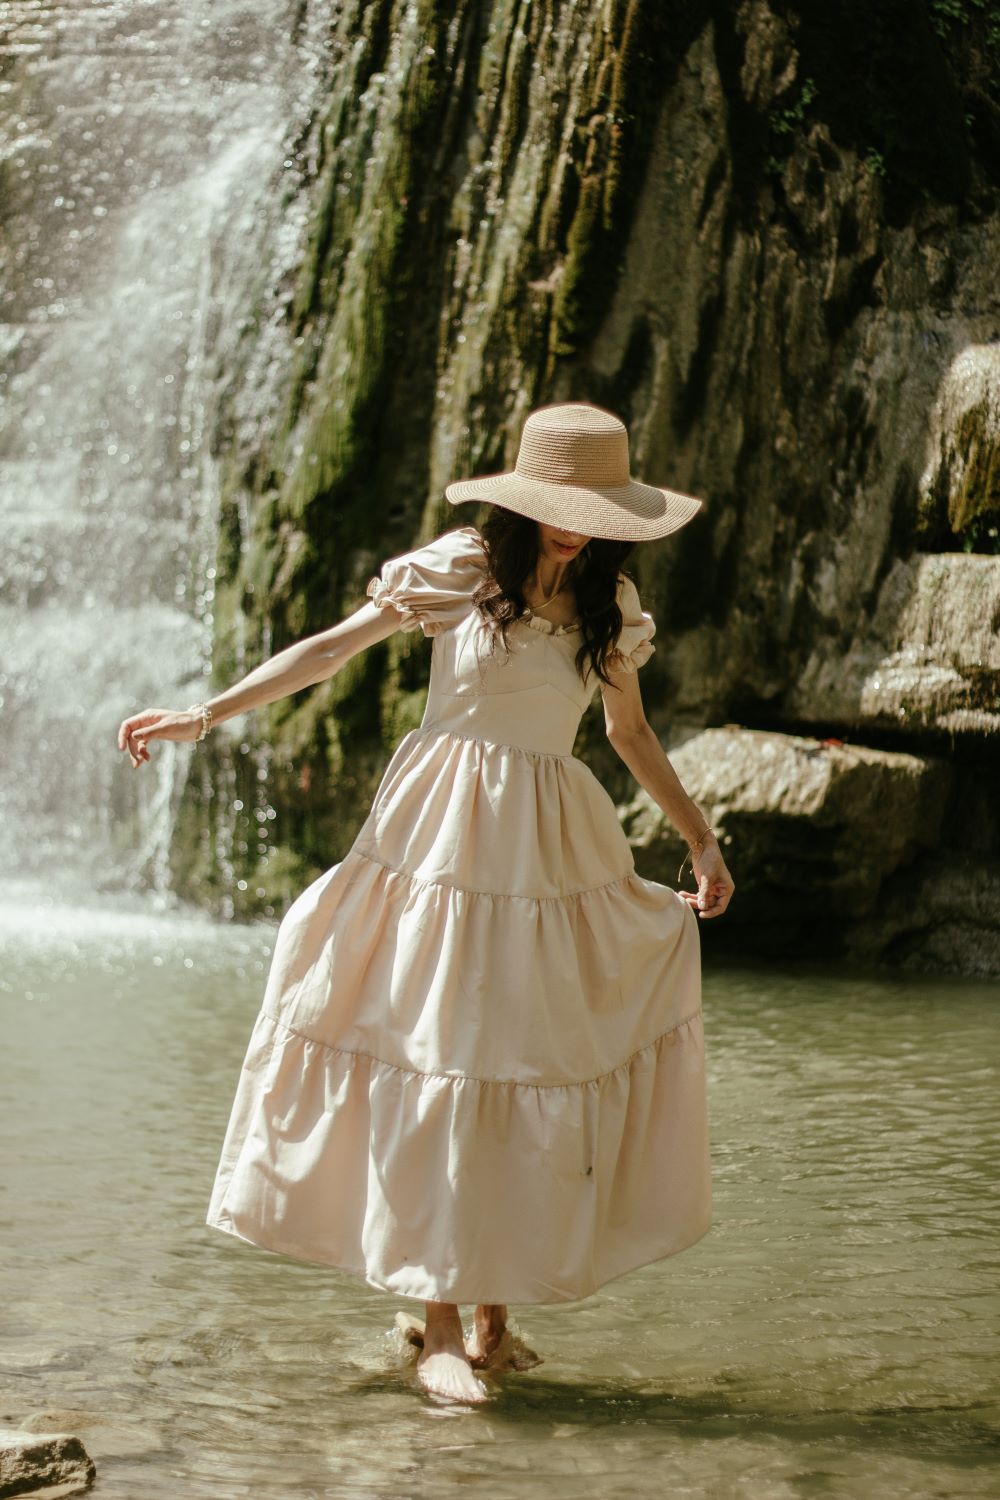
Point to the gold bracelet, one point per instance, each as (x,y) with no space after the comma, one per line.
(691,848)
(206,717)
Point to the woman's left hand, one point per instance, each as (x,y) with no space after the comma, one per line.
(715,884)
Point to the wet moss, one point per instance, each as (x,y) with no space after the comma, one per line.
(314,498)
(641,47)
(977,446)
(962,508)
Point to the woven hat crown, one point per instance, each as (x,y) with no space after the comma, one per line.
(574,444)
(573,472)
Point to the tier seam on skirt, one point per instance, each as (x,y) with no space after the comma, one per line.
(468,890)
(443,732)
(472,1078)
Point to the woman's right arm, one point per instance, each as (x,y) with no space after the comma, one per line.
(302,665)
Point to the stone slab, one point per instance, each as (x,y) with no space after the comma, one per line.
(811,829)
(44,1465)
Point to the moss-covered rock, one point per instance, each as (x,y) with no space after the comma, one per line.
(765,234)
(960,487)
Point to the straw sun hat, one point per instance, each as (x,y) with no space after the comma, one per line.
(572,471)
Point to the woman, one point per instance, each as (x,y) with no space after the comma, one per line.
(478,1070)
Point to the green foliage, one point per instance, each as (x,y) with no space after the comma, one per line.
(948,13)
(787,124)
(788,120)
(983,535)
(875,162)
(971,20)
(895,85)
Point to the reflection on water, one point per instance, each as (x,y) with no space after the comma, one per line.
(829,1337)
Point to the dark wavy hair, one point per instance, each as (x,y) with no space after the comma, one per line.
(511,543)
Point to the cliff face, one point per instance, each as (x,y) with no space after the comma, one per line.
(767,236)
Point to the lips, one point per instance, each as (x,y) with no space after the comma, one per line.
(564,549)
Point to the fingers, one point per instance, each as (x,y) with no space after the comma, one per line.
(717,901)
(135,731)
(128,738)
(710,899)
(137,751)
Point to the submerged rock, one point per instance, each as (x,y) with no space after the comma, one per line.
(43,1464)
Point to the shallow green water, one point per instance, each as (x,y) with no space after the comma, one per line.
(833,1335)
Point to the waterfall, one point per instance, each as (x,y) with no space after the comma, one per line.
(274,275)
(141,145)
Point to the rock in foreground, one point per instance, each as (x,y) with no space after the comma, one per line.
(43,1464)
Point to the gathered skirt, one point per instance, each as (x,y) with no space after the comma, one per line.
(478,1070)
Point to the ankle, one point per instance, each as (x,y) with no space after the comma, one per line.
(443,1325)
(491,1315)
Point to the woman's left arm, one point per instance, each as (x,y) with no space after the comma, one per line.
(633,739)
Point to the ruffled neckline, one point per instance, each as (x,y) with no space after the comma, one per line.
(536,622)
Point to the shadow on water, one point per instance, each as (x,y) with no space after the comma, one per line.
(962,1433)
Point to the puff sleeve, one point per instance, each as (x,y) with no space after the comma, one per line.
(635,643)
(432,586)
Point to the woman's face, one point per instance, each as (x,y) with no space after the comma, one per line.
(560,546)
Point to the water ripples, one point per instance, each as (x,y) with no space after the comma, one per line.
(833,1335)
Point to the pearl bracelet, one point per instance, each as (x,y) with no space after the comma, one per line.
(691,848)
(206,717)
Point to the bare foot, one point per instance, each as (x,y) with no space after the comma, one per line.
(443,1368)
(514,1354)
(488,1329)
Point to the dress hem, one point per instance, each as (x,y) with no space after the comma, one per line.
(456,1294)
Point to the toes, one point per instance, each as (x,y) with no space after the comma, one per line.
(449,1375)
(452,1387)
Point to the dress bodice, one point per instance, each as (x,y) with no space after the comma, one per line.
(529,695)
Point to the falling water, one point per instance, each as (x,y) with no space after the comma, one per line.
(141,145)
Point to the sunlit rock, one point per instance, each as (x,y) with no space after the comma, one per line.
(812,830)
(43,1465)
(928,658)
(960,487)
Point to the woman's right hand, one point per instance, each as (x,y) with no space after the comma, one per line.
(156,724)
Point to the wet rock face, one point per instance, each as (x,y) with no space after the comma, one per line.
(784,336)
(960,487)
(928,656)
(766,235)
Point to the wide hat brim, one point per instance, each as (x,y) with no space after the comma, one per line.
(633,512)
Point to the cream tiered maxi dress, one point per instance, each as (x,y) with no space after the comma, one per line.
(478,1070)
